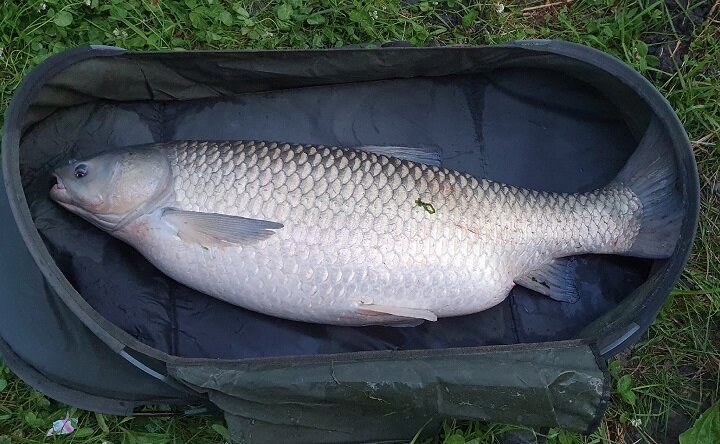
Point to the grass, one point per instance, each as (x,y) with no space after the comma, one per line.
(661,386)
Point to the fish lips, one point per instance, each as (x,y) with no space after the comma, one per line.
(59,193)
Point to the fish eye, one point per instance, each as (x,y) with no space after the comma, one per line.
(81,171)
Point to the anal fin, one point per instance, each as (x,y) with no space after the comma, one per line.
(555,280)
(413,316)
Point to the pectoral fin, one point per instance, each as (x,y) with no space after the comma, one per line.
(401,312)
(555,280)
(428,156)
(214,228)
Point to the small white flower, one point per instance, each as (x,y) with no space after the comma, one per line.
(43,6)
(374,15)
(636,422)
(124,34)
(87,2)
(2,55)
(116,32)
(500,8)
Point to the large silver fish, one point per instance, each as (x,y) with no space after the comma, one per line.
(361,236)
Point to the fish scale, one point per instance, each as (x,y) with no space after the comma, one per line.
(354,235)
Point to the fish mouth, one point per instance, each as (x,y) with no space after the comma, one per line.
(59,193)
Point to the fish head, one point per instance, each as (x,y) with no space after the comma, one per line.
(114,187)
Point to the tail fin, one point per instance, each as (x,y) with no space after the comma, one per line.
(651,174)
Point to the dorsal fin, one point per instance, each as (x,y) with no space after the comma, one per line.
(427,156)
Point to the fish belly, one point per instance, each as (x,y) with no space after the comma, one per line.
(319,282)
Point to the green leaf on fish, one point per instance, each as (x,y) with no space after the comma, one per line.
(425,205)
